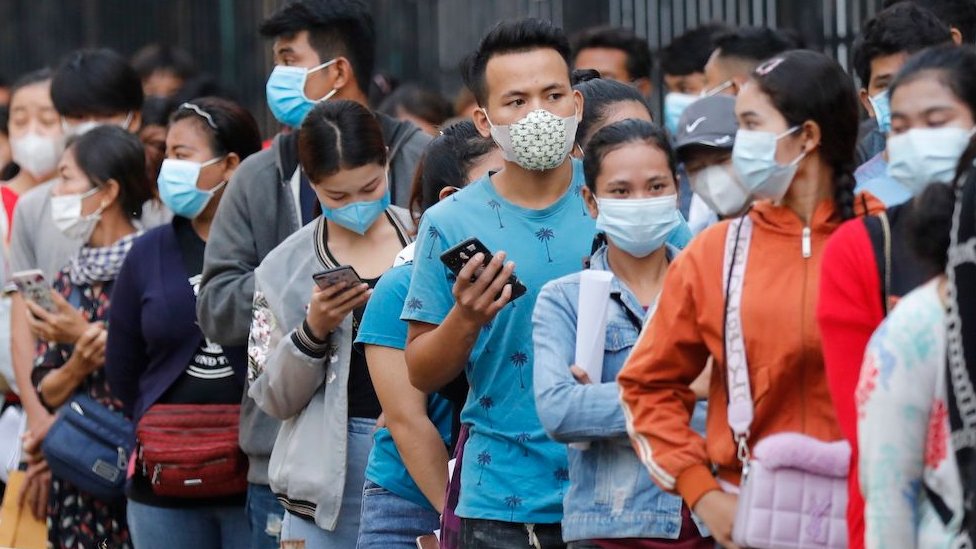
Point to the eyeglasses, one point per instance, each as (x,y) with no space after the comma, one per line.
(200,112)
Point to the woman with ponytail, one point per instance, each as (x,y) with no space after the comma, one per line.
(794,151)
(870,263)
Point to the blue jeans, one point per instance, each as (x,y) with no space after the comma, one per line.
(359,444)
(391,521)
(202,527)
(261,502)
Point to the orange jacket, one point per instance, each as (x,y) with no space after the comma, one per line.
(782,342)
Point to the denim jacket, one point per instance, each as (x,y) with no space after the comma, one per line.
(610,493)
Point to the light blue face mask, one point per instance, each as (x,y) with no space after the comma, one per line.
(286,93)
(358,217)
(754,160)
(882,111)
(674,106)
(638,226)
(177,184)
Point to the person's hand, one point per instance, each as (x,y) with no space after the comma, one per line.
(580,375)
(90,348)
(65,325)
(36,489)
(479,301)
(717,510)
(39,424)
(329,307)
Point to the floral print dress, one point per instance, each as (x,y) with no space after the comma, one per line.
(908,471)
(76,519)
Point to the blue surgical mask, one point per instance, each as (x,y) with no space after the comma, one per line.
(754,160)
(638,226)
(882,111)
(177,184)
(922,156)
(674,106)
(358,217)
(286,93)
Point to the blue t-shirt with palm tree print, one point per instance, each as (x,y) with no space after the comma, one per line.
(512,471)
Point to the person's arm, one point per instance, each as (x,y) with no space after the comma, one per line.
(656,389)
(405,409)
(292,367)
(126,356)
(57,385)
(848,311)
(896,410)
(568,410)
(231,255)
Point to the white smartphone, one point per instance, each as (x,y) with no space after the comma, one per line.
(34,287)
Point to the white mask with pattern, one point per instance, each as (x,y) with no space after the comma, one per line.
(540,141)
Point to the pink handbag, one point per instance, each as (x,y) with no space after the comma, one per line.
(793,493)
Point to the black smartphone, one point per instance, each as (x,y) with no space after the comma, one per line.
(457,257)
(331,277)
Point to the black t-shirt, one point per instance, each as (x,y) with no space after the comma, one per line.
(363,401)
(208,379)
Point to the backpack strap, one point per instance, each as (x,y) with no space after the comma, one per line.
(740,407)
(879,231)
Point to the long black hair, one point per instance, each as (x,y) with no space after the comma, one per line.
(339,135)
(109,152)
(806,85)
(233,128)
(618,134)
(599,97)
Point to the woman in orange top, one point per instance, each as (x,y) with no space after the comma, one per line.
(795,149)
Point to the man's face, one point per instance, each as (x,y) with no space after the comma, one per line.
(519,83)
(883,71)
(718,75)
(296,51)
(691,84)
(611,63)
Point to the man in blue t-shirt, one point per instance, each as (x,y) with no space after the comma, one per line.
(531,217)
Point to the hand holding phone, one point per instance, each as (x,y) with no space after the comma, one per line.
(34,287)
(457,257)
(484,284)
(334,296)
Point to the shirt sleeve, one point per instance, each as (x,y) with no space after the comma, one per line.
(895,397)
(655,386)
(22,239)
(381,324)
(430,298)
(848,311)
(125,352)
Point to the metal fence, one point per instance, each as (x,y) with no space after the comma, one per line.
(419,40)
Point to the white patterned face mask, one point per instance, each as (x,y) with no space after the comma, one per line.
(540,141)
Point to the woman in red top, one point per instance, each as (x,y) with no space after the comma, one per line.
(933,101)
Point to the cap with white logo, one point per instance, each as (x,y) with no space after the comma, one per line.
(710,121)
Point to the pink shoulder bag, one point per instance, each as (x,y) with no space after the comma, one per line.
(793,493)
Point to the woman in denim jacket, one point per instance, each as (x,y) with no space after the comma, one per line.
(610,501)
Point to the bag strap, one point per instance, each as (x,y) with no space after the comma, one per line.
(740,407)
(879,231)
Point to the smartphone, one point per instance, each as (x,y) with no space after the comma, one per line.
(457,257)
(34,287)
(331,277)
(427,542)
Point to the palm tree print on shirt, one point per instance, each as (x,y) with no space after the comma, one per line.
(484,460)
(578,191)
(493,204)
(433,235)
(513,502)
(519,359)
(487,403)
(561,476)
(521,439)
(544,235)
(414,304)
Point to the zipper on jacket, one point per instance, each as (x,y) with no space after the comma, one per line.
(805,244)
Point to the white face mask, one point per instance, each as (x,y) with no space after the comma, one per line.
(718,187)
(922,156)
(638,226)
(81,128)
(35,154)
(67,217)
(754,160)
(540,141)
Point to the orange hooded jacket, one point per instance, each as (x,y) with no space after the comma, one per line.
(786,369)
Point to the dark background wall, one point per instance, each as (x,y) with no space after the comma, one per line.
(419,40)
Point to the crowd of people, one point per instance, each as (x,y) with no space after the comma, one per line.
(538,316)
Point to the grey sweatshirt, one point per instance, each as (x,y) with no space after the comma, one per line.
(256,214)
